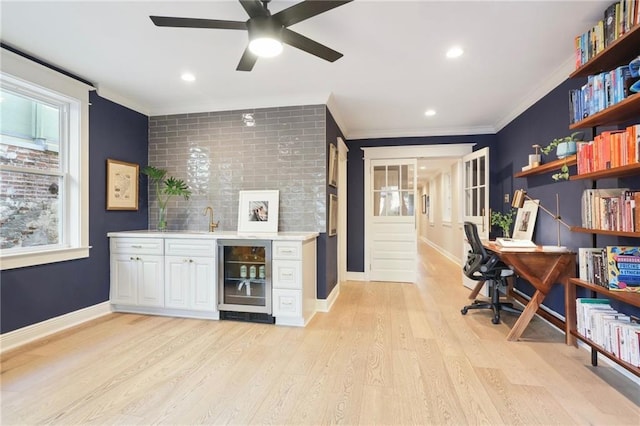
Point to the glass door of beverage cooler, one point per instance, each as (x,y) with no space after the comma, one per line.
(244,276)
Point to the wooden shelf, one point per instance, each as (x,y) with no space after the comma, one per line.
(548,167)
(622,50)
(605,232)
(622,171)
(630,367)
(625,110)
(629,297)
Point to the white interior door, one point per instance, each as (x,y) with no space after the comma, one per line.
(390,220)
(475,199)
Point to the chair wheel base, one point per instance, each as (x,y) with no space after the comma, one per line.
(464,311)
(495,320)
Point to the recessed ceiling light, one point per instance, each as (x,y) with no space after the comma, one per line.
(455,52)
(430,112)
(187,76)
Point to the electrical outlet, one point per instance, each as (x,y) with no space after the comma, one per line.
(506,197)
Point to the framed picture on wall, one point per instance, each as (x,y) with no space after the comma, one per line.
(258,212)
(424,204)
(333,165)
(333,215)
(122,185)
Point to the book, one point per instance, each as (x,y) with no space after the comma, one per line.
(623,266)
(585,263)
(610,24)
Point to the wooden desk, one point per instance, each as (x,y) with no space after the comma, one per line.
(542,269)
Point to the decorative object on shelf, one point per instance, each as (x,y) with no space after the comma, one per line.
(634,70)
(258,212)
(165,189)
(565,147)
(519,198)
(503,221)
(122,185)
(534,159)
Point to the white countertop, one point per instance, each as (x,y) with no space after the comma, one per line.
(218,235)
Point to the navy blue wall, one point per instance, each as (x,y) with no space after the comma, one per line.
(37,293)
(355,187)
(541,123)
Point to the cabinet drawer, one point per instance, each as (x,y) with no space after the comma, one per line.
(137,245)
(287,250)
(287,274)
(189,247)
(287,303)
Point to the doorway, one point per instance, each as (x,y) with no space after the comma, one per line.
(377,266)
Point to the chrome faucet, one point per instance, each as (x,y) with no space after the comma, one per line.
(212,225)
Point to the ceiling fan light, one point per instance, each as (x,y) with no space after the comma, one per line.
(265,47)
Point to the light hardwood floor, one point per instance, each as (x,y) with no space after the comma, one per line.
(387,353)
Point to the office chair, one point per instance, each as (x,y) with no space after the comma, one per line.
(485,265)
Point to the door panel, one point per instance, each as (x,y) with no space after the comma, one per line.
(390,220)
(475,182)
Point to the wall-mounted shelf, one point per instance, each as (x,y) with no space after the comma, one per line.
(632,169)
(629,298)
(605,232)
(622,50)
(623,111)
(548,167)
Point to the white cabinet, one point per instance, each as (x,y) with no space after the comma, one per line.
(137,272)
(176,275)
(294,281)
(190,274)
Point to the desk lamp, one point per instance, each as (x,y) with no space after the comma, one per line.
(519,197)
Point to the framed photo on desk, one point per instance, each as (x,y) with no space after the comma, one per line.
(526,221)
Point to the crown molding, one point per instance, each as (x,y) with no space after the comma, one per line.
(541,90)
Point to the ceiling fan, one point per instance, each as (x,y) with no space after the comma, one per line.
(266,30)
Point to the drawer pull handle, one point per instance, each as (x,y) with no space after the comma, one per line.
(288,275)
(287,251)
(136,246)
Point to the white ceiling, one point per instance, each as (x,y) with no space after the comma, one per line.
(393,69)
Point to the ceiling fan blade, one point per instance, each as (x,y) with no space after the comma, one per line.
(305,10)
(168,21)
(301,42)
(254,8)
(247,61)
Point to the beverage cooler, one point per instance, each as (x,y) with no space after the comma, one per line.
(244,280)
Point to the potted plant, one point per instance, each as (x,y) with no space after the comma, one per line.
(165,189)
(503,221)
(565,147)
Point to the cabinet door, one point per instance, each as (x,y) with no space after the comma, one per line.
(177,282)
(203,284)
(150,280)
(124,269)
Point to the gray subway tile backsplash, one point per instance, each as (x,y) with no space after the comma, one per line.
(218,156)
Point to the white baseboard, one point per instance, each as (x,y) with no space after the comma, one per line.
(324,305)
(42,329)
(355,276)
(455,259)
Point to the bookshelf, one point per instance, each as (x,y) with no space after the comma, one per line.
(620,52)
(618,113)
(629,298)
(622,171)
(548,167)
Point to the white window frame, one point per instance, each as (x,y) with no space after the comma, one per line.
(432,194)
(446,196)
(16,72)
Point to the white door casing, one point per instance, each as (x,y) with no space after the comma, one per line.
(342,211)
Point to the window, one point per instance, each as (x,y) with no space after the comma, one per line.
(393,191)
(43,165)
(446,197)
(432,195)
